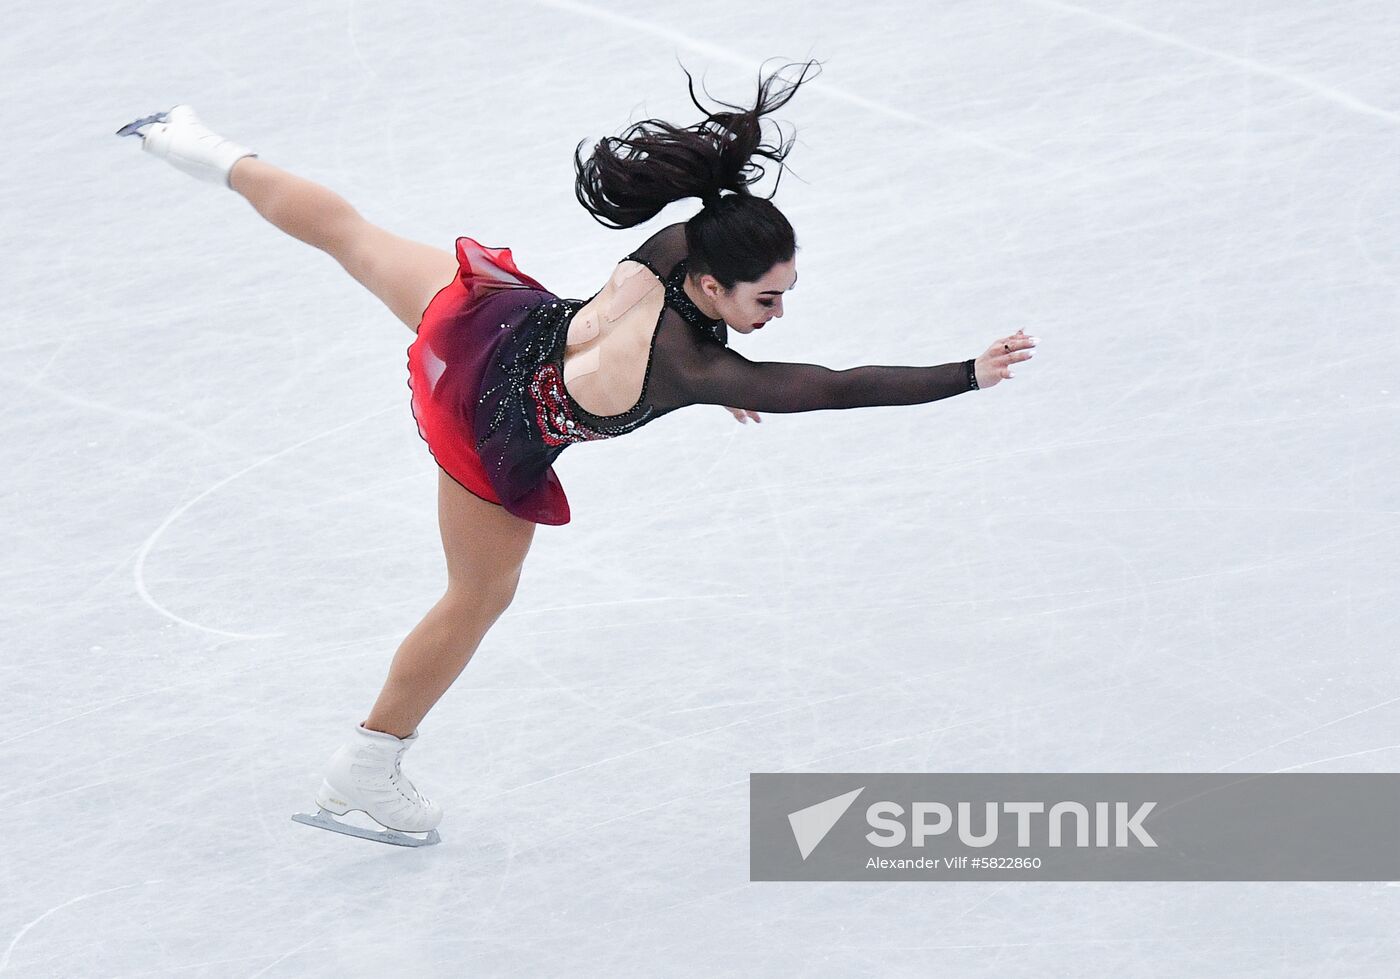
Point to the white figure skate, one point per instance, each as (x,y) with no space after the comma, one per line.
(364,776)
(179,138)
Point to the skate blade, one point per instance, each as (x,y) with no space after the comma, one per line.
(130,129)
(326,820)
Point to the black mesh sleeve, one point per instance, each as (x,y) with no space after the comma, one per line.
(692,371)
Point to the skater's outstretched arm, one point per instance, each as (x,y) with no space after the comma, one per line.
(711,374)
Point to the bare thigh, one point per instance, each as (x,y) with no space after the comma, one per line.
(485,544)
(404,274)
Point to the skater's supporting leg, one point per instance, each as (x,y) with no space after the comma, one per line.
(404,274)
(485,547)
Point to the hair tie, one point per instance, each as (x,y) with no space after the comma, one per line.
(711,199)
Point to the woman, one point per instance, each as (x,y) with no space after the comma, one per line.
(505,375)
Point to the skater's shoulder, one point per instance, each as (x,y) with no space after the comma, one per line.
(662,251)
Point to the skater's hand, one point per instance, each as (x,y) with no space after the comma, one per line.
(743,414)
(994,366)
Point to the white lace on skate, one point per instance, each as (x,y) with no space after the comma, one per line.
(365,783)
(395,801)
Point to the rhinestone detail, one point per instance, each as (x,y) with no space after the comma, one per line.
(681,303)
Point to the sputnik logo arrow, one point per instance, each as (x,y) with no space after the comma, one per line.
(810,825)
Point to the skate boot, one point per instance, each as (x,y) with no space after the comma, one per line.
(178,137)
(365,776)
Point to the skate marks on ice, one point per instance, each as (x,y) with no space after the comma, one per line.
(729,56)
(1345,99)
(5,959)
(1314,730)
(327,821)
(139,570)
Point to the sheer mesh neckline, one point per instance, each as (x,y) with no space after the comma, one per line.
(680,302)
(677,298)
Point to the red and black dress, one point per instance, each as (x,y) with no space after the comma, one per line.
(486,374)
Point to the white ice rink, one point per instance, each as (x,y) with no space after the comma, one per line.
(1168,545)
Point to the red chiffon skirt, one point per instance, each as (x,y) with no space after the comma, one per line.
(452,356)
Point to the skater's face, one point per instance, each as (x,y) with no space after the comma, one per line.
(749,305)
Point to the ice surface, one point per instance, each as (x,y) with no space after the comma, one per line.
(1170,544)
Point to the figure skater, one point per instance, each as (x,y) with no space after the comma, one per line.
(504,375)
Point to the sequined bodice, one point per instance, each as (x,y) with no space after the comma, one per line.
(532,389)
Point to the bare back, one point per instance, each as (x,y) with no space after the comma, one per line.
(610,341)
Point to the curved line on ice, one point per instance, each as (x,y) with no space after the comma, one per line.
(139,571)
(5,961)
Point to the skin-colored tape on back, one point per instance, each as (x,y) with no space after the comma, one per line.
(582,329)
(581,366)
(631,286)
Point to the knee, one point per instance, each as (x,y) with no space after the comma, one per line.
(489,597)
(501,593)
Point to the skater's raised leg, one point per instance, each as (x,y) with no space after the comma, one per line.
(404,274)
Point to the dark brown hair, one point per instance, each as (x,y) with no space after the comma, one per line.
(738,237)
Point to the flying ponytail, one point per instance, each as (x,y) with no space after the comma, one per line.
(628,179)
(736,237)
